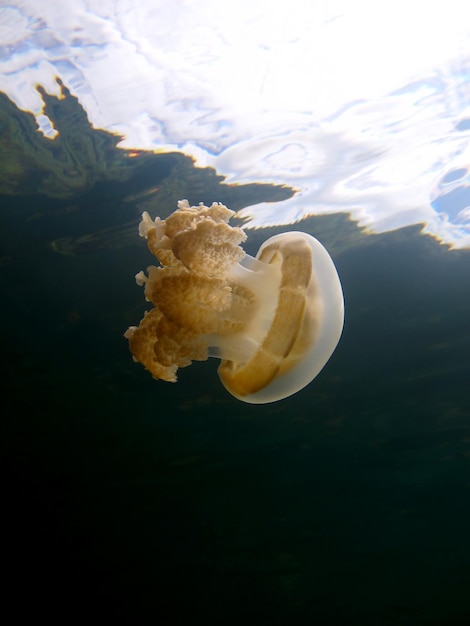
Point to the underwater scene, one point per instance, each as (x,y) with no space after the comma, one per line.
(235,321)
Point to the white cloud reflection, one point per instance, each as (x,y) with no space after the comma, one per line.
(361,106)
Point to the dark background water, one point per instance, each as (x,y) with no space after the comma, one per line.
(124,497)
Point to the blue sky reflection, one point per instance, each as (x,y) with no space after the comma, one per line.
(362,107)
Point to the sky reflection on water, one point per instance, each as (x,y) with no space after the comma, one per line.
(361,108)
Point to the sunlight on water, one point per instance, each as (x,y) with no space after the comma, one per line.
(362,107)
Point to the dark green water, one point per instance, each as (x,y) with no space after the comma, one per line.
(125,497)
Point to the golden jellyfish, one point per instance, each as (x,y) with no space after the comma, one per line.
(274,320)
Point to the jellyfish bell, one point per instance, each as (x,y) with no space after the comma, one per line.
(303,330)
(274,320)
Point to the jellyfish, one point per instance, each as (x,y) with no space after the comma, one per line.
(273,320)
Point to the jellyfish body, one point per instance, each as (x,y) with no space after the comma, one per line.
(274,320)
